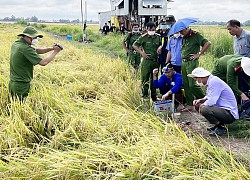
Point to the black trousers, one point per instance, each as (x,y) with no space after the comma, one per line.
(216,115)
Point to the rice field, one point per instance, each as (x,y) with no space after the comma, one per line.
(84,119)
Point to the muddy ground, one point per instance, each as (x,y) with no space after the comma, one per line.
(194,122)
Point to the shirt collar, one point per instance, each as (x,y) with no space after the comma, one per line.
(24,41)
(243,34)
(190,32)
(209,78)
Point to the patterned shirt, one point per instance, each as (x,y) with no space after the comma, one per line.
(242,44)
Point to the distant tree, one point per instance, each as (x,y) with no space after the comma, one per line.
(64,20)
(27,19)
(34,19)
(247,23)
(13,18)
(75,21)
(6,19)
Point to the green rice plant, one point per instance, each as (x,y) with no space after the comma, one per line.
(222,41)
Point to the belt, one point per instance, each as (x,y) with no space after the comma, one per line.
(186,60)
(154,60)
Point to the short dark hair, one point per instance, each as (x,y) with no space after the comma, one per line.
(150,25)
(135,24)
(233,23)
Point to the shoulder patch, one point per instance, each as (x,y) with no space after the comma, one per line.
(194,32)
(145,34)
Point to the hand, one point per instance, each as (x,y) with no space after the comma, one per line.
(244,97)
(194,56)
(56,45)
(144,55)
(128,51)
(159,50)
(165,96)
(197,101)
(201,106)
(155,71)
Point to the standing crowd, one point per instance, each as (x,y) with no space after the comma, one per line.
(174,52)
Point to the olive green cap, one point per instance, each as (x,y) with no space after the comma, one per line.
(30,32)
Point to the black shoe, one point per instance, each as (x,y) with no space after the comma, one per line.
(154,98)
(212,128)
(218,132)
(144,96)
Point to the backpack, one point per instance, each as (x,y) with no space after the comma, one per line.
(244,111)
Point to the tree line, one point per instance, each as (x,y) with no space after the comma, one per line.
(76,21)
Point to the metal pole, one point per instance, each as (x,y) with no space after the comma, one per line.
(85,21)
(173,98)
(84,36)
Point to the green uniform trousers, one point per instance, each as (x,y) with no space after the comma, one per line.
(191,88)
(19,89)
(147,67)
(134,59)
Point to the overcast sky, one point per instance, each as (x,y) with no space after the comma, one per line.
(205,10)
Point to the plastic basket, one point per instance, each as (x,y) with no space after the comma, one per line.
(163,106)
(68,37)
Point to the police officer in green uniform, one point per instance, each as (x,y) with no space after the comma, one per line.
(191,44)
(23,58)
(165,26)
(134,58)
(229,68)
(147,46)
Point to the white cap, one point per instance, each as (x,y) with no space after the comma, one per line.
(199,72)
(245,64)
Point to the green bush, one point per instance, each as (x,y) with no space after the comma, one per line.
(23,22)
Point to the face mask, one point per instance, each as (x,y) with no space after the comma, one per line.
(164,27)
(34,41)
(177,35)
(151,33)
(199,83)
(133,31)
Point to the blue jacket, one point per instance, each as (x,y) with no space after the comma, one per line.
(176,82)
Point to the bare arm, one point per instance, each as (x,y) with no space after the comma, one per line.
(205,47)
(144,55)
(44,50)
(202,51)
(168,57)
(137,49)
(125,47)
(50,57)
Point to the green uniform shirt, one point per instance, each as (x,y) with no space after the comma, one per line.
(191,44)
(149,44)
(130,38)
(22,60)
(224,68)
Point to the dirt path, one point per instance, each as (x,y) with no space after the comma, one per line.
(198,124)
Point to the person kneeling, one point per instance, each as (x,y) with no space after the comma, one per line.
(219,106)
(169,83)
